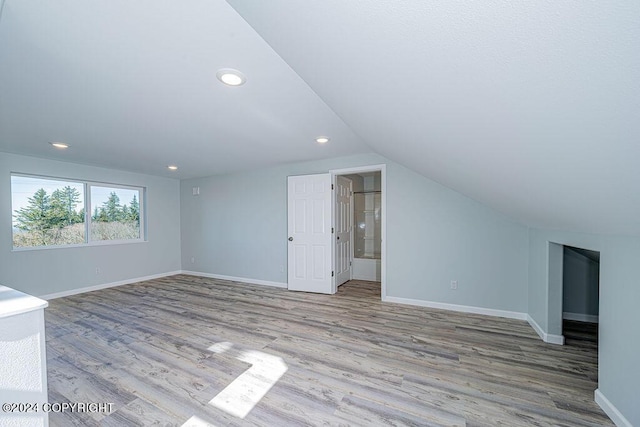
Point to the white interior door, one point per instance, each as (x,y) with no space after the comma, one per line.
(309,228)
(344,227)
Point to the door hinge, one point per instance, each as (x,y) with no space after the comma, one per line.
(350,263)
(332,274)
(331,230)
(332,186)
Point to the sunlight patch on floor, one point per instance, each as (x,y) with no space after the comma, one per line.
(239,397)
(244,393)
(197,422)
(220,347)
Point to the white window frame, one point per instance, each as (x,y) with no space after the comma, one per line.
(142,204)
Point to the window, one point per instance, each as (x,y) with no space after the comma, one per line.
(47,212)
(51,212)
(115,213)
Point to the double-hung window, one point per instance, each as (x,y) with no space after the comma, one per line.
(55,212)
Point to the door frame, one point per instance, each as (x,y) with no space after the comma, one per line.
(382,168)
(351,233)
(554,264)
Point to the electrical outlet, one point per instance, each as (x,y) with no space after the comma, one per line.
(282,269)
(97,270)
(454,284)
(193,260)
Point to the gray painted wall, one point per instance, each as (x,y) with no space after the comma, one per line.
(48,271)
(554,274)
(237,226)
(435,235)
(619,346)
(619,317)
(581,277)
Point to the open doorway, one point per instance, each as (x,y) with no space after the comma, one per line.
(580,296)
(311,222)
(366,214)
(359,217)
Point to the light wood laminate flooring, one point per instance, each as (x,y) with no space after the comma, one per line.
(161,350)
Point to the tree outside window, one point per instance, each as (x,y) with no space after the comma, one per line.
(51,212)
(48,212)
(116,213)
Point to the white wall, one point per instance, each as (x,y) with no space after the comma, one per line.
(581,276)
(50,271)
(619,346)
(237,227)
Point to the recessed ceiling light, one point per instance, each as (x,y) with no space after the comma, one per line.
(231,77)
(322,139)
(60,145)
(172,167)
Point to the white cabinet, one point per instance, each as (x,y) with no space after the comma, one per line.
(23,369)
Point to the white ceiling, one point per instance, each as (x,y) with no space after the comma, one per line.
(532,107)
(131,85)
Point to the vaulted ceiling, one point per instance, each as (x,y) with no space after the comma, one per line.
(531,108)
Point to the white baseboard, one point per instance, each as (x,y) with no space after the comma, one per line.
(236,279)
(456,307)
(158,276)
(107,285)
(611,411)
(579,317)
(548,338)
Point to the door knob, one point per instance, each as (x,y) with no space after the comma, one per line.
(338,237)
(291,239)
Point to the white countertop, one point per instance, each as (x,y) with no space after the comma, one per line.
(14,302)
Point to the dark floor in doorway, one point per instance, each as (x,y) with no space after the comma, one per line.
(580,334)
